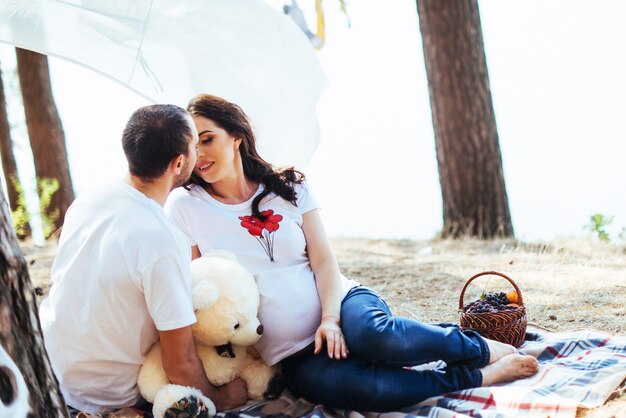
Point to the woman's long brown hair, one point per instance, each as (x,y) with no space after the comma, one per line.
(233,120)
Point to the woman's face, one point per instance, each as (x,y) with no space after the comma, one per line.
(217,151)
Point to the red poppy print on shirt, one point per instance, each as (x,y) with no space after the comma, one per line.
(263,231)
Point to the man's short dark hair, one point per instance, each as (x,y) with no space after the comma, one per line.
(153,137)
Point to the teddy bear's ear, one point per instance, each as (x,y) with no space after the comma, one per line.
(204,294)
(220,253)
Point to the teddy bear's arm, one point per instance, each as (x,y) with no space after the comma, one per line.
(221,370)
(258,376)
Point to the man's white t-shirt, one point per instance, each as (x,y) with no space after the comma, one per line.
(273,251)
(121,273)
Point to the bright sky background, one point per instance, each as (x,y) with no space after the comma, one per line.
(557,77)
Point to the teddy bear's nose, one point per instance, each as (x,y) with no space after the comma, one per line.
(259,330)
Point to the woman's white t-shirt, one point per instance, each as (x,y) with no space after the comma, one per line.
(275,253)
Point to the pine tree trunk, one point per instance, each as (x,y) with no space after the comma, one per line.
(47,139)
(475,201)
(20,331)
(9,166)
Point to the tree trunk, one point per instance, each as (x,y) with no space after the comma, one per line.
(47,139)
(20,331)
(475,202)
(9,166)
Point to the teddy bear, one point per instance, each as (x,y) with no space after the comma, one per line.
(226,302)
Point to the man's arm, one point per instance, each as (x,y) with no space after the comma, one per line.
(183,367)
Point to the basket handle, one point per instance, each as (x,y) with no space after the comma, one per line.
(520,300)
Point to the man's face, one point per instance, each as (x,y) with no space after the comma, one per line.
(189,160)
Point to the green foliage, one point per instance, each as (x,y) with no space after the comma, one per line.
(20,215)
(47,187)
(597,225)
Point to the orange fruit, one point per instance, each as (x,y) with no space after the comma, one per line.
(512,296)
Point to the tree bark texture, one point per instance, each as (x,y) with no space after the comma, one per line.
(20,331)
(47,139)
(9,167)
(475,201)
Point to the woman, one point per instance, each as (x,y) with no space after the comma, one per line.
(238,202)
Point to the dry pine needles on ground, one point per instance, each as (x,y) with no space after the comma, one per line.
(567,285)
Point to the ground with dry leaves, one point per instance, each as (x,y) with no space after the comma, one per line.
(566,285)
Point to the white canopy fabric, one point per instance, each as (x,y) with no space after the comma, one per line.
(169,51)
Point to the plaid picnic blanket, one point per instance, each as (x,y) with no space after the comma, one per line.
(577,370)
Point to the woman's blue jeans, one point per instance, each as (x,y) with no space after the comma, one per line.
(374,377)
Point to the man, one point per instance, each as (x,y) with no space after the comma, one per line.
(121,279)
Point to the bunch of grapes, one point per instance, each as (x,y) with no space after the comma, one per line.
(489,303)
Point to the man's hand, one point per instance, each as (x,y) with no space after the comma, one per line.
(231,395)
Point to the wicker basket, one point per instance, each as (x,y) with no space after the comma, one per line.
(504,326)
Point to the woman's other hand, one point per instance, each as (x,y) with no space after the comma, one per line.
(330,331)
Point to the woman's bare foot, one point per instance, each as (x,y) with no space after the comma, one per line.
(497,350)
(509,368)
